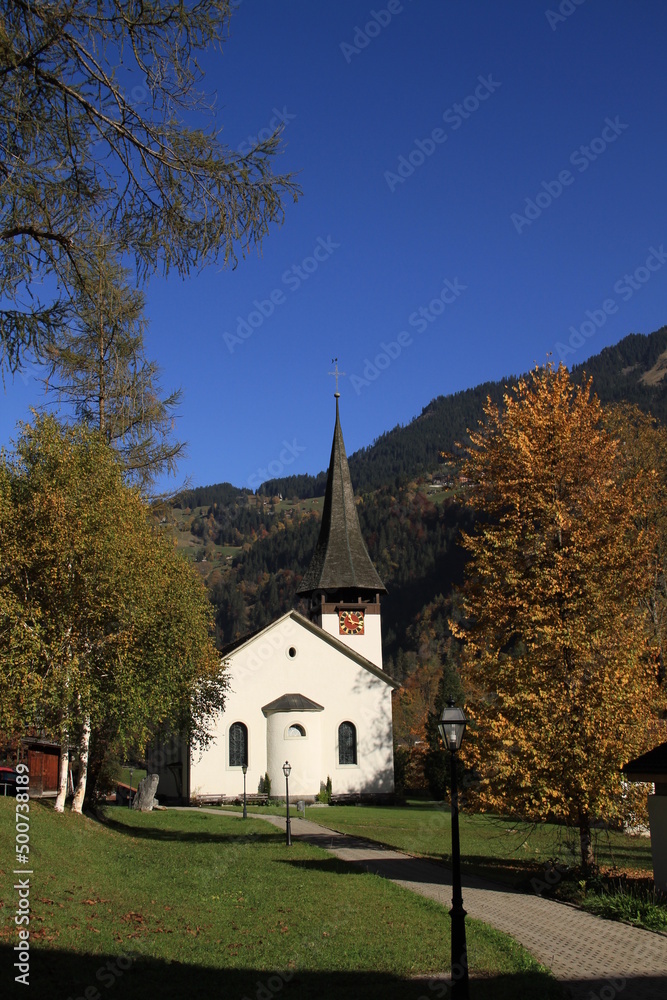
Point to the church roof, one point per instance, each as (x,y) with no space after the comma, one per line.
(299,619)
(341,560)
(292,703)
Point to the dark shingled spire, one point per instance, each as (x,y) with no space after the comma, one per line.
(341,560)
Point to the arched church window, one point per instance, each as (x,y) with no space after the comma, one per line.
(347,743)
(238,744)
(296,730)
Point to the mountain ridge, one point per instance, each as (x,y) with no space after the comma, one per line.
(633,370)
(252,549)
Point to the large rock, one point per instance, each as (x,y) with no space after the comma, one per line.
(145,796)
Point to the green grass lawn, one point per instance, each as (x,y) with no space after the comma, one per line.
(137,775)
(502,849)
(183,904)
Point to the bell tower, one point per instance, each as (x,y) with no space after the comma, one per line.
(341,582)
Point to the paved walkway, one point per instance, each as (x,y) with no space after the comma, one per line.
(595,959)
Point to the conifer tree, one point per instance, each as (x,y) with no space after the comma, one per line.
(97,366)
(103,127)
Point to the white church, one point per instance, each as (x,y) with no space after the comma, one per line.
(307,690)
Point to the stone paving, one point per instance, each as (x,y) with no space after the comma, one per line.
(595,959)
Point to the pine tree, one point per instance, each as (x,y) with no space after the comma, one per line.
(97,366)
(97,107)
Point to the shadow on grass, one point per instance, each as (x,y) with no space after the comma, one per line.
(511,873)
(421,871)
(331,865)
(188,837)
(61,975)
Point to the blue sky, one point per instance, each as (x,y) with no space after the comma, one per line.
(479,179)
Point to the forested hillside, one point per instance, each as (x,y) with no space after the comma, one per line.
(403,453)
(253,549)
(632,370)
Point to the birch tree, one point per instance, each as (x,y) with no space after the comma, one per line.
(113,627)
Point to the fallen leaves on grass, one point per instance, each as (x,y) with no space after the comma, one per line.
(44,935)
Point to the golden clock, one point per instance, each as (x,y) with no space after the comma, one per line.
(351,622)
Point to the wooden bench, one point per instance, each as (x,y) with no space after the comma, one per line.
(256,799)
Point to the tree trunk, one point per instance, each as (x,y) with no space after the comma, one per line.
(77,803)
(585,842)
(63,774)
(98,756)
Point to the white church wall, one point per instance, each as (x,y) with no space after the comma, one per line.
(303,752)
(368,645)
(288,658)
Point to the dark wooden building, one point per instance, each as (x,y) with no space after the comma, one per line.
(42,758)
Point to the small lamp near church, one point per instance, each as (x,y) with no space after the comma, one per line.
(244,768)
(288,829)
(452,727)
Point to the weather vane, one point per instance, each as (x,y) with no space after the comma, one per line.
(334,361)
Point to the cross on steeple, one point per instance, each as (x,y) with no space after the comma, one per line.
(334,361)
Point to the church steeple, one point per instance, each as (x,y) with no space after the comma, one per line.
(341,561)
(341,581)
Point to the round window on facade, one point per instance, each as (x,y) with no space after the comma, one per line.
(295,732)
(291,652)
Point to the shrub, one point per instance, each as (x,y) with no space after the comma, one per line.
(325,791)
(641,906)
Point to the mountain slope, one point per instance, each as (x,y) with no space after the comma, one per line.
(634,370)
(254,549)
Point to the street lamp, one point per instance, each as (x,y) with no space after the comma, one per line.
(288,829)
(245,808)
(452,727)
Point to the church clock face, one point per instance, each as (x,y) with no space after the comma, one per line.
(351,622)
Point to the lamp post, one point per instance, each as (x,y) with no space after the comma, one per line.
(288,829)
(245,808)
(452,727)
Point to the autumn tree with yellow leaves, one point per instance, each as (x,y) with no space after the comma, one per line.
(106,633)
(643,446)
(560,671)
